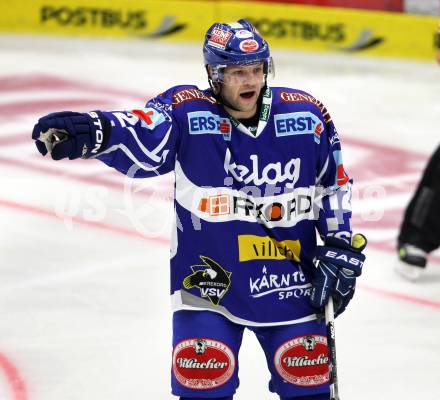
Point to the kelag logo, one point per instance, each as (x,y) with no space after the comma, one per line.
(269,174)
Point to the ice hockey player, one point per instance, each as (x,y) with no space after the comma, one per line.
(258,173)
(419,232)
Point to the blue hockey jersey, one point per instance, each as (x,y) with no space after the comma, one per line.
(249,202)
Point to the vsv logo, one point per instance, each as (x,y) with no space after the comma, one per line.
(211,278)
(212,292)
(205,122)
(298,123)
(271,174)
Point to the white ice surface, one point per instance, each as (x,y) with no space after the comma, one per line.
(84,305)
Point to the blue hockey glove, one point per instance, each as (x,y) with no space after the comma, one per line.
(338,266)
(71,134)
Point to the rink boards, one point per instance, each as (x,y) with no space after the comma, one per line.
(362,32)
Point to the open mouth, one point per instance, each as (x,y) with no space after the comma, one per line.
(247,95)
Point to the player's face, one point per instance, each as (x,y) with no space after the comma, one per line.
(241,87)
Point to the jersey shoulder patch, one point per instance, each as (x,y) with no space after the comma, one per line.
(285,96)
(184,94)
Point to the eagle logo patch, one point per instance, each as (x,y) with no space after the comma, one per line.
(212,280)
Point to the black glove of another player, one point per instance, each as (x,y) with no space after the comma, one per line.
(338,266)
(71,134)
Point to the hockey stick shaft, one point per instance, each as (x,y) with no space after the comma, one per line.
(331,342)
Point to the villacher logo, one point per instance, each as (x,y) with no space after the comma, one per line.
(203,363)
(303,360)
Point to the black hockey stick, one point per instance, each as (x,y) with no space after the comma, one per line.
(358,242)
(331,343)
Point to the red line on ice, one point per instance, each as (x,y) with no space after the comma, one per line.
(37,82)
(402,296)
(95,224)
(13,140)
(41,106)
(14,379)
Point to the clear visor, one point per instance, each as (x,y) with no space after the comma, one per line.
(238,75)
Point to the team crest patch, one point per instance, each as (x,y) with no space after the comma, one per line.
(249,45)
(212,280)
(243,34)
(191,95)
(303,361)
(202,363)
(219,38)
